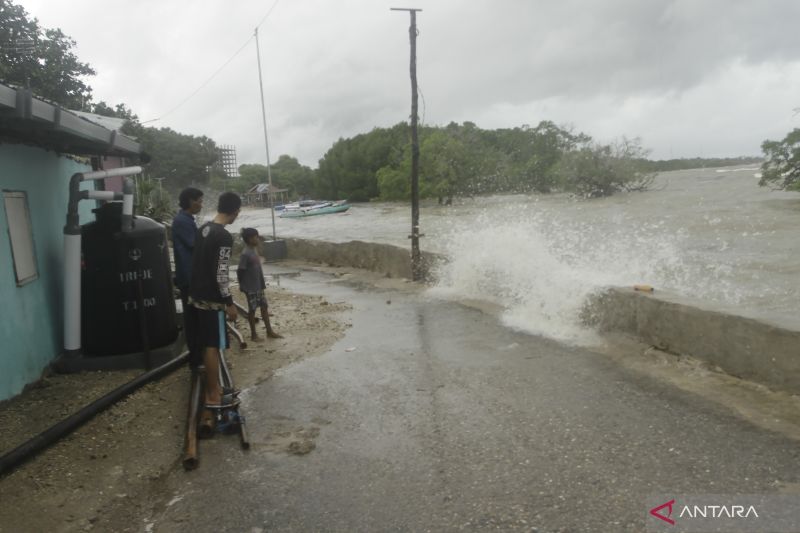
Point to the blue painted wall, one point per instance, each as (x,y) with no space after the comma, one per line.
(31,316)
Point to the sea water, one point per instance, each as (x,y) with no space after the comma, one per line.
(710,234)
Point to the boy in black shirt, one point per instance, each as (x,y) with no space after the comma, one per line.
(210,295)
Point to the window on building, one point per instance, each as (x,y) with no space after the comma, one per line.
(20,234)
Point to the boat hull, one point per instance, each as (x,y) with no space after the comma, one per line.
(300,213)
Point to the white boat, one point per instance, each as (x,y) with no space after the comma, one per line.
(321,208)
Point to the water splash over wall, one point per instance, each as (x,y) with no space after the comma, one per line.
(541,267)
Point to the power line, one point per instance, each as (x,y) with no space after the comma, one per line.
(268,13)
(216,72)
(203,84)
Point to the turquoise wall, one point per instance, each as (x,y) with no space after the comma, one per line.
(31,315)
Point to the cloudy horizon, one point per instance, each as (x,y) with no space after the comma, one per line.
(691,79)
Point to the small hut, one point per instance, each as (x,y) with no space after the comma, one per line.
(259,195)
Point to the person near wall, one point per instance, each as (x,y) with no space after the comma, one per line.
(184,228)
(252,284)
(210,296)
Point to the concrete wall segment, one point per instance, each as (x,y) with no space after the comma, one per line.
(749,348)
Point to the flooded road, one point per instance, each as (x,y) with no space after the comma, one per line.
(432,416)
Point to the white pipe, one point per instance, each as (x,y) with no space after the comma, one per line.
(128,189)
(102,174)
(101,195)
(72,292)
(72,245)
(127,205)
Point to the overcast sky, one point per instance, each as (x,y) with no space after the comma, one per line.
(690,77)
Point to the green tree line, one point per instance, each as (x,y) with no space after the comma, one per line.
(465,160)
(458,160)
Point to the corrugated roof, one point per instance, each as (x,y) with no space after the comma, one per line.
(263,188)
(27,119)
(111,123)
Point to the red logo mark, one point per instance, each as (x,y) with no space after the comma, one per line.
(655,512)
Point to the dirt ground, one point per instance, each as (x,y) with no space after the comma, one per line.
(115,460)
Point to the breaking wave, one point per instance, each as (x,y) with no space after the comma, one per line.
(541,267)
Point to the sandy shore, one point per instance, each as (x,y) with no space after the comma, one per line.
(107,467)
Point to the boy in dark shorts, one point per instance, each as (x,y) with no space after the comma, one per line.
(210,296)
(251,283)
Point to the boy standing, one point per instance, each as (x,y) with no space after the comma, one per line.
(251,282)
(210,295)
(184,228)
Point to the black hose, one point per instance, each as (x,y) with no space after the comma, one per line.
(21,453)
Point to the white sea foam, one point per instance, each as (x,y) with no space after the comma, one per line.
(541,267)
(727,170)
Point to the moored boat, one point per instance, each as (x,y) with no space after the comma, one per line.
(321,208)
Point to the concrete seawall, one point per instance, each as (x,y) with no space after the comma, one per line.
(393,261)
(752,349)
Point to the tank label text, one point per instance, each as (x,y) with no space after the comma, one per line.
(135,275)
(132,305)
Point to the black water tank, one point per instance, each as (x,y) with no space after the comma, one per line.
(126,285)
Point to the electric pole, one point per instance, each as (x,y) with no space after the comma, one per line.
(266,138)
(416,270)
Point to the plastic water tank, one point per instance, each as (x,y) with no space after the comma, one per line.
(127,301)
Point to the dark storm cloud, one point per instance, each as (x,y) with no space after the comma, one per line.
(521,51)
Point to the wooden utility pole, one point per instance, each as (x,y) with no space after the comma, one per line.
(416,269)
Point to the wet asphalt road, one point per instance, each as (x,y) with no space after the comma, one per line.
(441,419)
